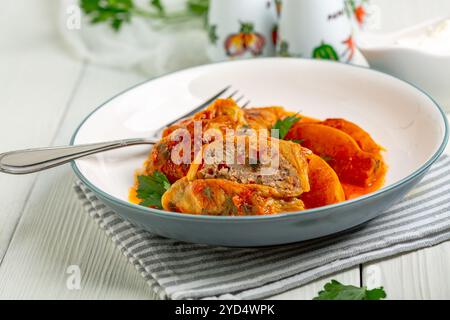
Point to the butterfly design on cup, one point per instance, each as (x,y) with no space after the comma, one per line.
(246,40)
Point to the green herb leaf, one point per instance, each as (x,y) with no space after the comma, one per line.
(299,141)
(212,34)
(158,6)
(335,290)
(198,7)
(284,125)
(375,294)
(208,193)
(151,189)
(116,12)
(229,208)
(326,158)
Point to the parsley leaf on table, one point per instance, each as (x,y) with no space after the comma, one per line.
(284,125)
(151,189)
(335,290)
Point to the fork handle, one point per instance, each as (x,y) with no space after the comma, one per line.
(34,160)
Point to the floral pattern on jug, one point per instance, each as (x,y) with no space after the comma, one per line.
(316,29)
(245,40)
(326,52)
(349,53)
(242,29)
(357,9)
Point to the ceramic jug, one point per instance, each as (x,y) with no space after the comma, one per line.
(317,29)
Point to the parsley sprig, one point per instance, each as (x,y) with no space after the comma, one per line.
(151,189)
(118,12)
(335,290)
(285,125)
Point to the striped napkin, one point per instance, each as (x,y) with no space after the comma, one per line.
(178,270)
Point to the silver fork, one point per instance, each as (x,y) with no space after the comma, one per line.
(38,159)
(157,133)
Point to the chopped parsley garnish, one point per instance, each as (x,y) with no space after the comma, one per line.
(284,125)
(335,290)
(151,189)
(208,193)
(326,158)
(299,141)
(229,207)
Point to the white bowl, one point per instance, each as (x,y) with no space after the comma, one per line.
(400,117)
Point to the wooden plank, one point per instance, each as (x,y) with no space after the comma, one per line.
(36,80)
(55,232)
(421,274)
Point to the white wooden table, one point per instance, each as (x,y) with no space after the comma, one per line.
(44,94)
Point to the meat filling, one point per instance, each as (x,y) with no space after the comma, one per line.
(284,178)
